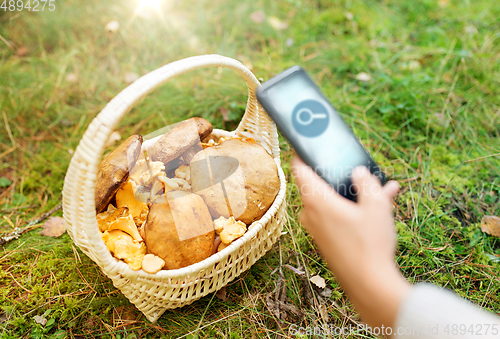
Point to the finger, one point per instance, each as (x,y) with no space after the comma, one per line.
(312,187)
(367,186)
(391,189)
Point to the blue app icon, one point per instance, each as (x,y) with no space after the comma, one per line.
(310,118)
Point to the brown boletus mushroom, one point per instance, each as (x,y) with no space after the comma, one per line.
(182,140)
(179,229)
(241,181)
(115,169)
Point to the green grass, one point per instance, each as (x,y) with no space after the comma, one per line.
(430,116)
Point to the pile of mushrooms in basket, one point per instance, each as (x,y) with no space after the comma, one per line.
(183,197)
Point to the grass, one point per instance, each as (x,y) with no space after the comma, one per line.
(430,116)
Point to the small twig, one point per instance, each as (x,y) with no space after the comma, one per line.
(18,231)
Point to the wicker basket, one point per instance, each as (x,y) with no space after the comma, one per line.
(152,294)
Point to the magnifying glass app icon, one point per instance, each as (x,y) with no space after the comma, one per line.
(310,118)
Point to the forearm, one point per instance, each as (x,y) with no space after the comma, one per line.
(429,312)
(376,289)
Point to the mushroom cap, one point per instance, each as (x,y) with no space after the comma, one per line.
(124,247)
(114,170)
(249,176)
(183,137)
(179,229)
(229,229)
(125,198)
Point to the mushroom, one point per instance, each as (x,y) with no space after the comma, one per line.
(118,219)
(127,225)
(179,229)
(145,172)
(125,198)
(114,170)
(171,184)
(182,140)
(183,172)
(104,219)
(229,229)
(240,180)
(152,264)
(124,247)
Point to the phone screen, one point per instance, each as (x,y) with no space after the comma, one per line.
(315,129)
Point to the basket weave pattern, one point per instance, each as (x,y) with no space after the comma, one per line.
(152,294)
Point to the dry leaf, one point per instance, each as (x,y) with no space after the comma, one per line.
(22,51)
(318,281)
(258,17)
(72,78)
(54,227)
(365,77)
(491,225)
(221,294)
(276,23)
(40,320)
(225,113)
(130,77)
(112,26)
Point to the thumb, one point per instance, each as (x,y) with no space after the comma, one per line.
(313,188)
(367,186)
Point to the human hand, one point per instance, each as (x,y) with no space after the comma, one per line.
(358,240)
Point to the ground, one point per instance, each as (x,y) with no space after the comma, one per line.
(427,109)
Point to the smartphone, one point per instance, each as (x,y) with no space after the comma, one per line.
(314,128)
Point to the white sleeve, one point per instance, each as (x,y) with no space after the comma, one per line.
(430,312)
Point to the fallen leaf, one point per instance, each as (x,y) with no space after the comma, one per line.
(40,320)
(221,294)
(22,51)
(112,26)
(318,281)
(225,113)
(258,17)
(54,227)
(130,77)
(365,77)
(276,23)
(490,224)
(326,292)
(3,318)
(72,77)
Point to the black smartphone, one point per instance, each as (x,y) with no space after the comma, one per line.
(314,128)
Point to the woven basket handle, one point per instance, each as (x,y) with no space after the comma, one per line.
(255,121)
(79,184)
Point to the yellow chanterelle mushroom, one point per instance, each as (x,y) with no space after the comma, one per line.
(124,247)
(229,229)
